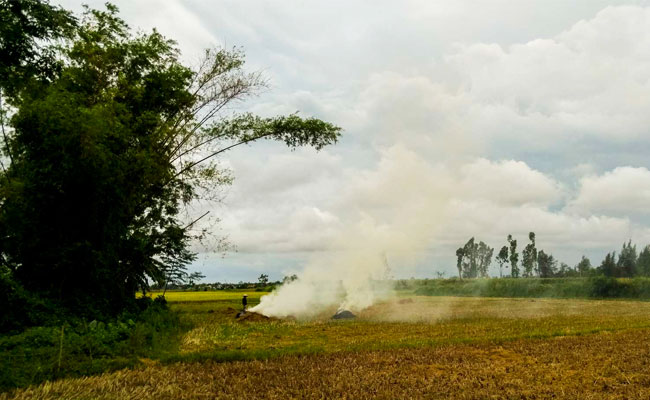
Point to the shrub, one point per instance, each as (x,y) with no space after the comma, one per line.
(597,287)
(20,309)
(80,348)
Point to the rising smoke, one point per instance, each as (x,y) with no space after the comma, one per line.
(396,209)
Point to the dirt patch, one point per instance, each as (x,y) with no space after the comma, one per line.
(405,301)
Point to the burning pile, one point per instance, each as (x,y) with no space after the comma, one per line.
(343,314)
(250,316)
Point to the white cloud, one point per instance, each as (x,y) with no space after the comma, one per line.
(507,182)
(473,110)
(625,190)
(591,80)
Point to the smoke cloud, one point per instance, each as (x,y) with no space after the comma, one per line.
(393,214)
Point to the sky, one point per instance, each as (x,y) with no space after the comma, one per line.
(460,118)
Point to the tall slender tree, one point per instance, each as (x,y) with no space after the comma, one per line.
(470,263)
(627,259)
(643,262)
(485,254)
(502,259)
(514,257)
(460,254)
(529,257)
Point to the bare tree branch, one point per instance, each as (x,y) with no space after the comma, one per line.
(195,221)
(195,163)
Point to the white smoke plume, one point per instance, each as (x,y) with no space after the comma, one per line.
(396,209)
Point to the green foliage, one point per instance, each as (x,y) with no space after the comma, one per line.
(608,266)
(21,308)
(26,26)
(502,259)
(107,150)
(643,262)
(625,266)
(263,280)
(597,287)
(83,348)
(547,265)
(609,287)
(529,257)
(565,271)
(474,259)
(603,286)
(514,257)
(584,268)
(460,254)
(627,259)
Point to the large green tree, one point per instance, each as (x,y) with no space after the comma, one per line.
(608,265)
(547,265)
(107,137)
(643,262)
(584,267)
(474,259)
(627,260)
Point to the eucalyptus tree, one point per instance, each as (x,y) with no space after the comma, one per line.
(547,265)
(514,257)
(643,262)
(502,259)
(460,254)
(529,257)
(485,254)
(474,259)
(627,260)
(583,267)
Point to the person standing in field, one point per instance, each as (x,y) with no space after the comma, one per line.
(244,302)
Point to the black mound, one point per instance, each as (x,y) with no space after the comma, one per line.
(343,314)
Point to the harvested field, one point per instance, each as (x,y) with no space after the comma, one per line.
(599,366)
(426,321)
(412,346)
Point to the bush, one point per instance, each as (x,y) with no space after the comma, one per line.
(603,286)
(20,309)
(81,348)
(597,287)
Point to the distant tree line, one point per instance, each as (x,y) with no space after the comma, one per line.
(474,259)
(191,282)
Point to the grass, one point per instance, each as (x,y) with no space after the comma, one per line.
(426,321)
(232,296)
(83,348)
(602,366)
(410,341)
